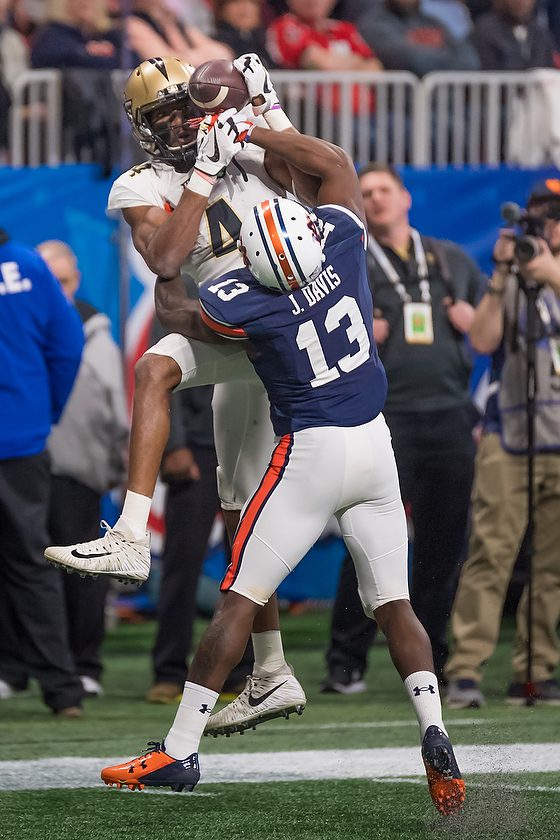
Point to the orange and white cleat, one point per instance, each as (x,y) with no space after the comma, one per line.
(154,769)
(447,787)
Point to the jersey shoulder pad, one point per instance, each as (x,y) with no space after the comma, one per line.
(226,303)
(135,187)
(340,224)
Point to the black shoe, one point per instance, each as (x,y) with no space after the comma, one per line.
(546,693)
(445,782)
(344,682)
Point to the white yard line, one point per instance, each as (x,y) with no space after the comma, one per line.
(388,724)
(304,765)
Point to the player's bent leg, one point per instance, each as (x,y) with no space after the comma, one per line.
(223,642)
(204,364)
(124,551)
(271,691)
(174,362)
(244,442)
(257,569)
(155,378)
(272,678)
(174,763)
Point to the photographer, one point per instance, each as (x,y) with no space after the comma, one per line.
(499,517)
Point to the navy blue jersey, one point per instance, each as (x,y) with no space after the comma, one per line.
(314,348)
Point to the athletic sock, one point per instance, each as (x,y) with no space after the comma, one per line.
(422,688)
(133,521)
(269,654)
(192,715)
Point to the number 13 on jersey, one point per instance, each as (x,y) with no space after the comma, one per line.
(308,339)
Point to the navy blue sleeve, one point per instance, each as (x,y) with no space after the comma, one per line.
(64,342)
(227,304)
(61,46)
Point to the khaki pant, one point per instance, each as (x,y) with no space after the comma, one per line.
(498,525)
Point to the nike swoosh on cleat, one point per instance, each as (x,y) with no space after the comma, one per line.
(75,553)
(256,701)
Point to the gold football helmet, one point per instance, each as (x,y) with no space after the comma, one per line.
(163,118)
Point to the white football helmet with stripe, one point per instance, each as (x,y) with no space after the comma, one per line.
(280,241)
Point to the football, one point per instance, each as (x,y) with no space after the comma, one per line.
(216,86)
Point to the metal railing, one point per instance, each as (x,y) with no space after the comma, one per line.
(470,118)
(367,115)
(36,119)
(444,119)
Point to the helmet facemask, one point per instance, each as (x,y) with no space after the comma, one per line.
(162,116)
(168,128)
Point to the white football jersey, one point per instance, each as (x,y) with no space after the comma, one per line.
(245,183)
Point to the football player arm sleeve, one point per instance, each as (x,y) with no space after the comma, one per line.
(220,328)
(327,162)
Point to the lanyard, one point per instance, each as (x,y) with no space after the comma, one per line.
(547,307)
(391,273)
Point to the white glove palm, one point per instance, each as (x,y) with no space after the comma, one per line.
(220,138)
(256,76)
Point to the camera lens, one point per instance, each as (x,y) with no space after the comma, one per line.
(526,248)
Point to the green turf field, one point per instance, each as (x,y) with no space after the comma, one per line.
(396,807)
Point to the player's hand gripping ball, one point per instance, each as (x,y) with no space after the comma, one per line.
(217,86)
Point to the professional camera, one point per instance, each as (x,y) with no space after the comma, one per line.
(529,229)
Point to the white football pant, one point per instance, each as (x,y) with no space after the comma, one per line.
(242,429)
(313,475)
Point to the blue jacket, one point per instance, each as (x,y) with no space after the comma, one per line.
(41,340)
(63,45)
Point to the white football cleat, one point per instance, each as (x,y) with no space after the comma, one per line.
(112,555)
(262,699)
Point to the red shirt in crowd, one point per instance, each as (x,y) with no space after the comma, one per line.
(289,37)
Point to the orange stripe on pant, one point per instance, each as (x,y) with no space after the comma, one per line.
(272,476)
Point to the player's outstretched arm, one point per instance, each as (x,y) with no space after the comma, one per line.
(329,163)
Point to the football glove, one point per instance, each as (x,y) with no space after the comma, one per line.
(256,76)
(220,137)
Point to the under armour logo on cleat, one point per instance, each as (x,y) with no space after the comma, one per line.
(204,709)
(429,688)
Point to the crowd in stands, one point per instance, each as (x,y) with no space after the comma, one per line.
(416,35)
